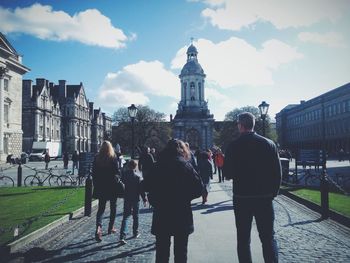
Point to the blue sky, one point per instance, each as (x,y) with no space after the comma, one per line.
(132,51)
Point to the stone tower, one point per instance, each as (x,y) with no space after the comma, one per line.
(193,122)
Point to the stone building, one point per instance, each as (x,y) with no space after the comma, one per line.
(325,118)
(41,113)
(193,122)
(101,128)
(76,135)
(11,72)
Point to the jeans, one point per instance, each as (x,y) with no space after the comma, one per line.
(221,177)
(163,248)
(130,208)
(262,209)
(101,209)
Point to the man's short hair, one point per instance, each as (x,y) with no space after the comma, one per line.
(247,120)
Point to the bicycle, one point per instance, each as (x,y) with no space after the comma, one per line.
(68,180)
(6,181)
(36,179)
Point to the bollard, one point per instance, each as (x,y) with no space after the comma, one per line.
(88,196)
(19,175)
(324,187)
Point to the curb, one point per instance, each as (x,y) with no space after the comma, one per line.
(16,245)
(339,218)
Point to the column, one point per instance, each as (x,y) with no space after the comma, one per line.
(3,71)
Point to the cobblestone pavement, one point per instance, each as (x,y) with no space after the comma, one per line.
(302,237)
(74,242)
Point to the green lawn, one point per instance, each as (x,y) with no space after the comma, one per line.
(337,202)
(27,204)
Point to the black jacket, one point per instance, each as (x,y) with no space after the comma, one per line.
(252,161)
(172,184)
(133,186)
(105,177)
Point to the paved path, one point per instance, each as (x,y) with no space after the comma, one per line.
(301,236)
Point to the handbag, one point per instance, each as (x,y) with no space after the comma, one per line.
(120,188)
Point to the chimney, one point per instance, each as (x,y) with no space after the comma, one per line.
(27,89)
(302,101)
(91,109)
(171,117)
(40,82)
(62,89)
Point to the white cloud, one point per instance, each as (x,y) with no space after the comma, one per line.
(89,27)
(236,62)
(135,82)
(331,39)
(237,14)
(218,103)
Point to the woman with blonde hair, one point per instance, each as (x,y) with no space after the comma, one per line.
(105,175)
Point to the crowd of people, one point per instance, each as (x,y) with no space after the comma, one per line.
(176,169)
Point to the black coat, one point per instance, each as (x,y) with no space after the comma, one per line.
(105,176)
(252,161)
(172,184)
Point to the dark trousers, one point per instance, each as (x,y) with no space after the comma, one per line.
(130,208)
(221,178)
(262,209)
(101,209)
(163,248)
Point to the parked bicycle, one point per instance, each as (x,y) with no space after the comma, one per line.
(38,179)
(67,179)
(5,181)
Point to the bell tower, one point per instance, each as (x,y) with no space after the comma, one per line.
(193,121)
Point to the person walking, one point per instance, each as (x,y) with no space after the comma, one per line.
(65,160)
(133,191)
(219,162)
(146,162)
(252,161)
(75,159)
(105,176)
(205,172)
(47,160)
(172,184)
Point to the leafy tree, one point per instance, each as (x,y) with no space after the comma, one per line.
(150,126)
(229,129)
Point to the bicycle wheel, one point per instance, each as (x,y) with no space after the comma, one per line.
(66,180)
(55,180)
(31,180)
(6,181)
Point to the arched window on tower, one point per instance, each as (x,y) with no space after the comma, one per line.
(192,91)
(185,90)
(200,91)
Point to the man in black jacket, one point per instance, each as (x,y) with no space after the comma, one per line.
(253,163)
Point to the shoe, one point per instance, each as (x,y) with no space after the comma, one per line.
(123,242)
(112,230)
(137,235)
(98,234)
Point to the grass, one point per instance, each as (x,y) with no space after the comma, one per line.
(19,205)
(337,202)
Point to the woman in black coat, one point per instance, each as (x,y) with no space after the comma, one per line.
(172,184)
(105,175)
(205,172)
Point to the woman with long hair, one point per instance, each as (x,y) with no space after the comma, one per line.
(172,184)
(105,175)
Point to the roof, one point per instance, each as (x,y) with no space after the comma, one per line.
(192,67)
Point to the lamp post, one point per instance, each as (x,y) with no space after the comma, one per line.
(264,108)
(324,186)
(132,111)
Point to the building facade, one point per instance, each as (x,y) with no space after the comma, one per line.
(11,72)
(193,122)
(41,113)
(323,119)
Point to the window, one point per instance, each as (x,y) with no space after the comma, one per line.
(6,113)
(6,84)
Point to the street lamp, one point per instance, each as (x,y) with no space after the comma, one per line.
(132,111)
(264,108)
